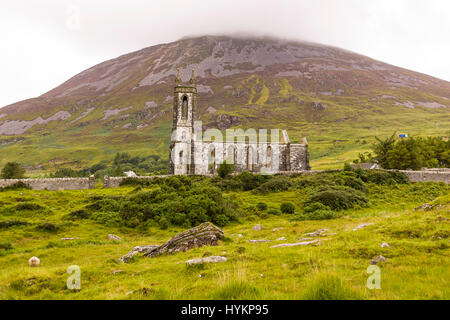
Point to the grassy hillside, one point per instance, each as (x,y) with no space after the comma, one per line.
(416,268)
(338,99)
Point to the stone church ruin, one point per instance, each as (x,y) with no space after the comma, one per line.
(194,152)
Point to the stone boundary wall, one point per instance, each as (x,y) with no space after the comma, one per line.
(413,176)
(114,182)
(53,183)
(428,175)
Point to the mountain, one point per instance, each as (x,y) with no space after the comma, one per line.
(339,99)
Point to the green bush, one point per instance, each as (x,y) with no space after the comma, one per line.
(339,199)
(287,207)
(177,200)
(16,186)
(384,177)
(78,215)
(316,211)
(261,206)
(47,226)
(274,212)
(28,206)
(276,184)
(224,169)
(12,223)
(6,246)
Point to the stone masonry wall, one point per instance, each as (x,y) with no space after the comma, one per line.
(53,183)
(114,182)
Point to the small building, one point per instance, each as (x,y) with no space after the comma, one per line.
(194,152)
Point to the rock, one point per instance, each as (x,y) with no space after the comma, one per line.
(256,241)
(258,227)
(317,233)
(277,229)
(281,239)
(205,234)
(114,237)
(68,239)
(34,262)
(116,271)
(306,243)
(236,235)
(384,245)
(212,259)
(304,239)
(136,250)
(130,174)
(424,207)
(377,259)
(362,226)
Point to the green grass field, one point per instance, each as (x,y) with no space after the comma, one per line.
(417,265)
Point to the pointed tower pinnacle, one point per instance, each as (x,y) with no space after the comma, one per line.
(192,81)
(178,79)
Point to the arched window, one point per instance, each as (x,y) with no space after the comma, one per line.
(184,108)
(249,158)
(212,159)
(231,155)
(269,157)
(181,157)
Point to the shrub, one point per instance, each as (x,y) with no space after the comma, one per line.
(339,199)
(276,184)
(347,167)
(316,211)
(179,200)
(47,226)
(287,207)
(163,223)
(12,170)
(28,206)
(261,206)
(16,186)
(384,177)
(250,181)
(12,223)
(275,212)
(6,246)
(78,215)
(225,169)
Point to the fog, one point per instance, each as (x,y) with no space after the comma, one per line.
(46,43)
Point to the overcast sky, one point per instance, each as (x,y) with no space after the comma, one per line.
(44,43)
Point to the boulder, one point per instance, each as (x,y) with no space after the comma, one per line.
(377,259)
(34,262)
(317,233)
(136,250)
(258,227)
(114,237)
(362,226)
(212,259)
(306,243)
(384,245)
(205,234)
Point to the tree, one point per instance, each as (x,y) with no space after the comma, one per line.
(382,148)
(225,169)
(12,170)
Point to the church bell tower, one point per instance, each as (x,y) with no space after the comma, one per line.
(181,160)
